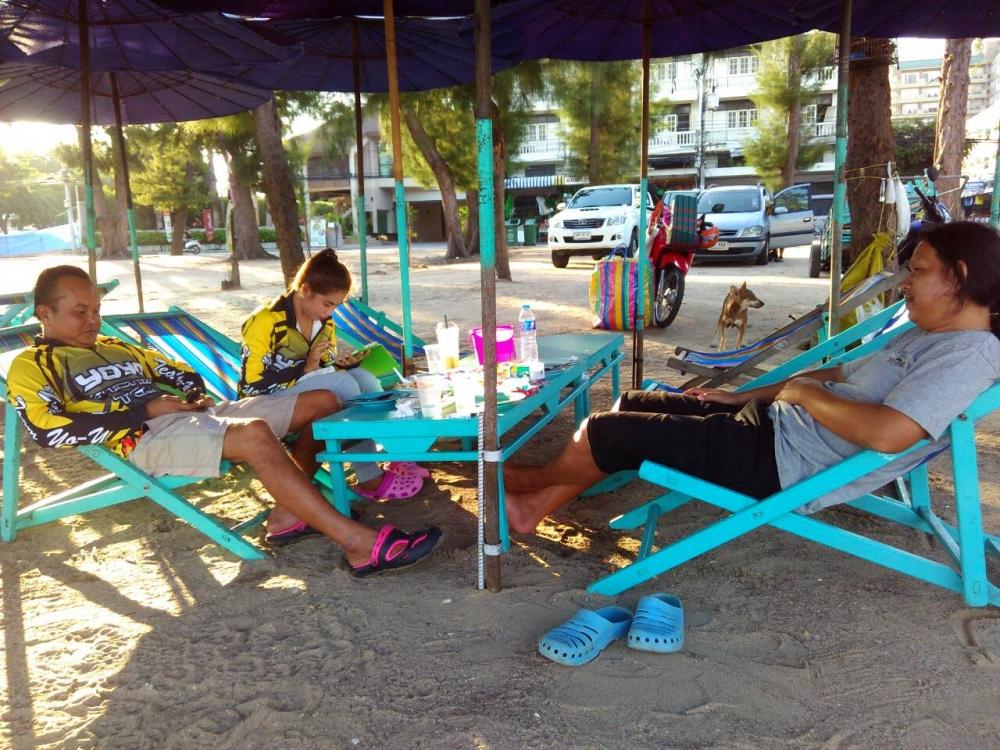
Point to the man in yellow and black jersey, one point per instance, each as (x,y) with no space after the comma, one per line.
(74,387)
(67,395)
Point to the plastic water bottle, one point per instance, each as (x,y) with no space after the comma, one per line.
(527,339)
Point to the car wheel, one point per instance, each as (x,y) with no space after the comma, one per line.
(559,260)
(764,255)
(633,244)
(668,295)
(815,260)
(597,256)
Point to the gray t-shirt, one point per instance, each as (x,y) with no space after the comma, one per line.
(929,377)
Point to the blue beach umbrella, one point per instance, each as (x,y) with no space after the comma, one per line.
(49,93)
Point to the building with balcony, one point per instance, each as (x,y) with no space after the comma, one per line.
(916,86)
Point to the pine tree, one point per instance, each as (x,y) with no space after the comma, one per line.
(600,110)
(788,79)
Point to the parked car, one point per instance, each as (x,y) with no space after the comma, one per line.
(751,223)
(596,219)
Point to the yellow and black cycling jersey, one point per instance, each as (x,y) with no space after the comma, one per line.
(70,395)
(274,350)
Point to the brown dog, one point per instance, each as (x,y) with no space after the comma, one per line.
(734,313)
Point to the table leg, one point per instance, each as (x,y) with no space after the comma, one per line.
(338,480)
(615,384)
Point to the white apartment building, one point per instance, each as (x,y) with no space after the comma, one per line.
(916,86)
(712,89)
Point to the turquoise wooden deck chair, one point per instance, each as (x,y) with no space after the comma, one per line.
(965,544)
(358,324)
(123,483)
(16,308)
(712,369)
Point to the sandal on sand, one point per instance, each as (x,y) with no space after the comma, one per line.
(582,638)
(408,468)
(393,487)
(397,549)
(293,533)
(658,624)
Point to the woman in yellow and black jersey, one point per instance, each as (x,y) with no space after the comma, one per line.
(289,346)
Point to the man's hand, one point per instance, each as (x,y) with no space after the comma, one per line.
(799,390)
(167,404)
(315,355)
(717,396)
(345,360)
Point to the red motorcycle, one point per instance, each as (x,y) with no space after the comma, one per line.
(671,263)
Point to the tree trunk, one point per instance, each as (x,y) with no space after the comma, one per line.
(106,222)
(794,132)
(869,147)
(499,196)
(179,217)
(120,248)
(446,185)
(594,152)
(949,145)
(472,222)
(247,240)
(280,188)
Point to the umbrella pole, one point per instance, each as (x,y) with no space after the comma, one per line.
(640,303)
(360,162)
(840,160)
(85,144)
(133,238)
(397,173)
(995,200)
(489,488)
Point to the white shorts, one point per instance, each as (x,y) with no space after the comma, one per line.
(189,444)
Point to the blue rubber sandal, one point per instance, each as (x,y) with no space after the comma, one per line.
(658,624)
(582,637)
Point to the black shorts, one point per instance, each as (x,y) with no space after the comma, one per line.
(729,445)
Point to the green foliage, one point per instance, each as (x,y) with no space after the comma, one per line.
(787,79)
(914,145)
(600,111)
(170,170)
(31,191)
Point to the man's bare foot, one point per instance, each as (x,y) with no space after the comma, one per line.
(361,548)
(520,519)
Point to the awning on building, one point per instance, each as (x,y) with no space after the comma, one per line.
(543,181)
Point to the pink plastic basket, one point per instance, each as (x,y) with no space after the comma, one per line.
(505,343)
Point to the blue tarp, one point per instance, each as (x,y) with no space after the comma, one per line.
(50,240)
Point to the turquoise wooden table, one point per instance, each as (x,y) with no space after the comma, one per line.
(581,358)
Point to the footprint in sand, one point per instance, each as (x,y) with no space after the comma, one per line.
(979,633)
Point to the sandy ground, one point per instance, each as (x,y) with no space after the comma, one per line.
(124,629)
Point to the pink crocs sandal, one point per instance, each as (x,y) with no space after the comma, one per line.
(408,468)
(393,487)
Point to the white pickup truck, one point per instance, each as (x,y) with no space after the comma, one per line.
(595,220)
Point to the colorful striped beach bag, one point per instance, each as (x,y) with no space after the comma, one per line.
(614,289)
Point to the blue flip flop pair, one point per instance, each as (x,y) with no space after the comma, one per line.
(657,625)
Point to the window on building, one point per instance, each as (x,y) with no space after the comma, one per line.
(743,65)
(536,131)
(670,123)
(741,118)
(658,72)
(909,109)
(809,114)
(910,78)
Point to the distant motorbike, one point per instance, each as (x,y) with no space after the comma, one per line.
(191,245)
